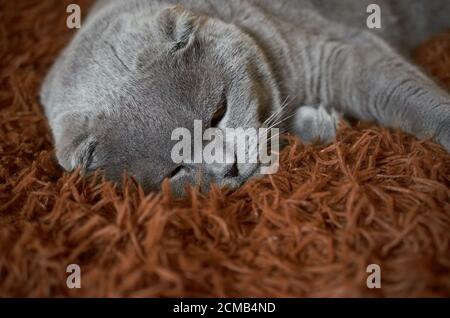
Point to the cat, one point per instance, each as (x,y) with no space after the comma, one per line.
(138,69)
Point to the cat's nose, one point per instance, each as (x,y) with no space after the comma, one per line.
(232,171)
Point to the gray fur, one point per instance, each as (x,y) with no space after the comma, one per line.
(140,68)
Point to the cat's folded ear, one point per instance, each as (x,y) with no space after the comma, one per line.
(178,26)
(75,146)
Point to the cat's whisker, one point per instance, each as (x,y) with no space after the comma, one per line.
(281,121)
(279,114)
(283,107)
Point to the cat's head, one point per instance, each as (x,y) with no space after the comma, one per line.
(160,74)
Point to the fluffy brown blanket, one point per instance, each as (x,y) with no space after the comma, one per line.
(373,197)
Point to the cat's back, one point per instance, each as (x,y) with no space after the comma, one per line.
(404,23)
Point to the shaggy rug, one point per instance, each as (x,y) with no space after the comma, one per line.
(373,197)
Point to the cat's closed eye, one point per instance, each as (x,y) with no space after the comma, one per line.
(220,113)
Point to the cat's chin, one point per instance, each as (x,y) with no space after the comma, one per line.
(245,174)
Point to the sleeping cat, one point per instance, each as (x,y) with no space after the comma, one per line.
(138,69)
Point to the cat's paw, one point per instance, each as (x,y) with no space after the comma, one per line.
(316,124)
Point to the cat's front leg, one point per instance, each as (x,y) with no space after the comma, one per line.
(375,83)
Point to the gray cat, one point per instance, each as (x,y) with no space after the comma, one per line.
(138,69)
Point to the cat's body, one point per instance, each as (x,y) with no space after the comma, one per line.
(140,68)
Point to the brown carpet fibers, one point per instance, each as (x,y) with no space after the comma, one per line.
(374,196)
